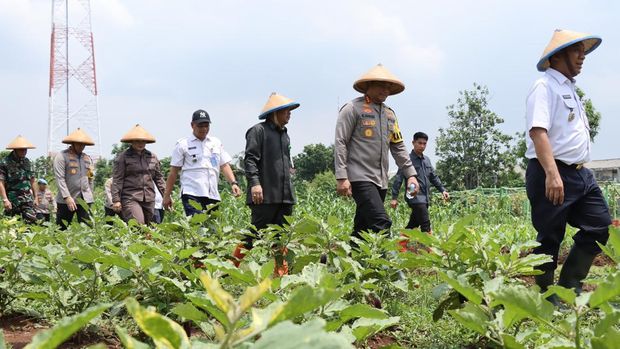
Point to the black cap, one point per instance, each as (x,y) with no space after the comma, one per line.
(200,116)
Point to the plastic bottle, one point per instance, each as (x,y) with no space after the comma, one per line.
(410,191)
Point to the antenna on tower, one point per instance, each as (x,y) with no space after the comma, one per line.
(73,79)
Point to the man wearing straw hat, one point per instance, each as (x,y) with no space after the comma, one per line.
(199,158)
(17,181)
(559,188)
(136,177)
(74,172)
(365,131)
(268,167)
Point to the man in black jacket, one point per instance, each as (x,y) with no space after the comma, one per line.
(268,168)
(426,176)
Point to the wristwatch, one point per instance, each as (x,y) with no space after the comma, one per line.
(233,183)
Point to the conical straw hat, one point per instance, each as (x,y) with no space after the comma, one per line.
(563,38)
(20,143)
(379,73)
(78,136)
(138,133)
(277,102)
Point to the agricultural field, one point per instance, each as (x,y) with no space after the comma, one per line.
(467,285)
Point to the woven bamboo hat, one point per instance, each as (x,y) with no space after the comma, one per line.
(20,143)
(138,133)
(78,136)
(277,102)
(379,73)
(563,38)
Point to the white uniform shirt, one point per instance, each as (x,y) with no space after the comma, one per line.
(553,104)
(200,163)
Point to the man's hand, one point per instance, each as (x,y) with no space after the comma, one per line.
(413,180)
(554,188)
(117,207)
(236,191)
(7,205)
(445,196)
(167,202)
(343,187)
(257,194)
(70,204)
(393,203)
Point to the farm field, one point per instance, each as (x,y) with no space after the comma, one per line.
(468,285)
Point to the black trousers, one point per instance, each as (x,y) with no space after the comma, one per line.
(369,211)
(64,214)
(202,200)
(265,214)
(419,218)
(584,208)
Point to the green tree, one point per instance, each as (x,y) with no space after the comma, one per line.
(594,116)
(473,151)
(314,159)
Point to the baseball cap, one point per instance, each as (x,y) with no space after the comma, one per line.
(42,181)
(200,116)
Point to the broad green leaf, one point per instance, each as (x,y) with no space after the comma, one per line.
(183,254)
(189,312)
(223,300)
(116,260)
(97,346)
(451,302)
(566,294)
(65,328)
(510,342)
(607,290)
(128,341)
(305,299)
(252,294)
(362,311)
(261,319)
(461,285)
(164,332)
(607,322)
(472,317)
(364,327)
(2,342)
(523,301)
(608,340)
(203,302)
(311,334)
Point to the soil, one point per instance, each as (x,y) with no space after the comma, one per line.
(19,330)
(380,340)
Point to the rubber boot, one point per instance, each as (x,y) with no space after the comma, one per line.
(576,268)
(544,281)
(238,255)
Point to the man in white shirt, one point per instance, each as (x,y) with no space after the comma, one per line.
(200,158)
(559,188)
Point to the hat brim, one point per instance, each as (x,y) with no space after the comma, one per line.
(147,141)
(591,43)
(361,85)
(266,113)
(20,147)
(71,142)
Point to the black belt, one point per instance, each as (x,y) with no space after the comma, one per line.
(565,165)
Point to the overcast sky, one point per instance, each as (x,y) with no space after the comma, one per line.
(159,60)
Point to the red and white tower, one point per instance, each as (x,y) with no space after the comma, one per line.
(73,80)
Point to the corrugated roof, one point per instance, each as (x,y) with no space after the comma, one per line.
(602,164)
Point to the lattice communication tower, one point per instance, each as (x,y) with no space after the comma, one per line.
(73,79)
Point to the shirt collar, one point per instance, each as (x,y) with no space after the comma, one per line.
(273,126)
(559,77)
(194,138)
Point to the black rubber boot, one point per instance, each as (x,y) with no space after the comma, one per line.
(544,281)
(576,268)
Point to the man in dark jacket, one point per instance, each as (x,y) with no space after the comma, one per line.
(426,176)
(268,168)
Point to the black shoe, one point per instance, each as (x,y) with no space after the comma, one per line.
(544,281)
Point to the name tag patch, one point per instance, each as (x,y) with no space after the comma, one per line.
(369,122)
(566,96)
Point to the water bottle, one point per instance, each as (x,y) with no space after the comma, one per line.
(409,194)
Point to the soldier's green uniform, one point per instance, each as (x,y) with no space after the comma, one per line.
(17,175)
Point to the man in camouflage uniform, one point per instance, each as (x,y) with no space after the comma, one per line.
(17,181)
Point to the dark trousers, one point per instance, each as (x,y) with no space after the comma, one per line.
(369,211)
(265,214)
(25,210)
(44,217)
(202,200)
(158,215)
(109,212)
(419,218)
(584,207)
(64,215)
